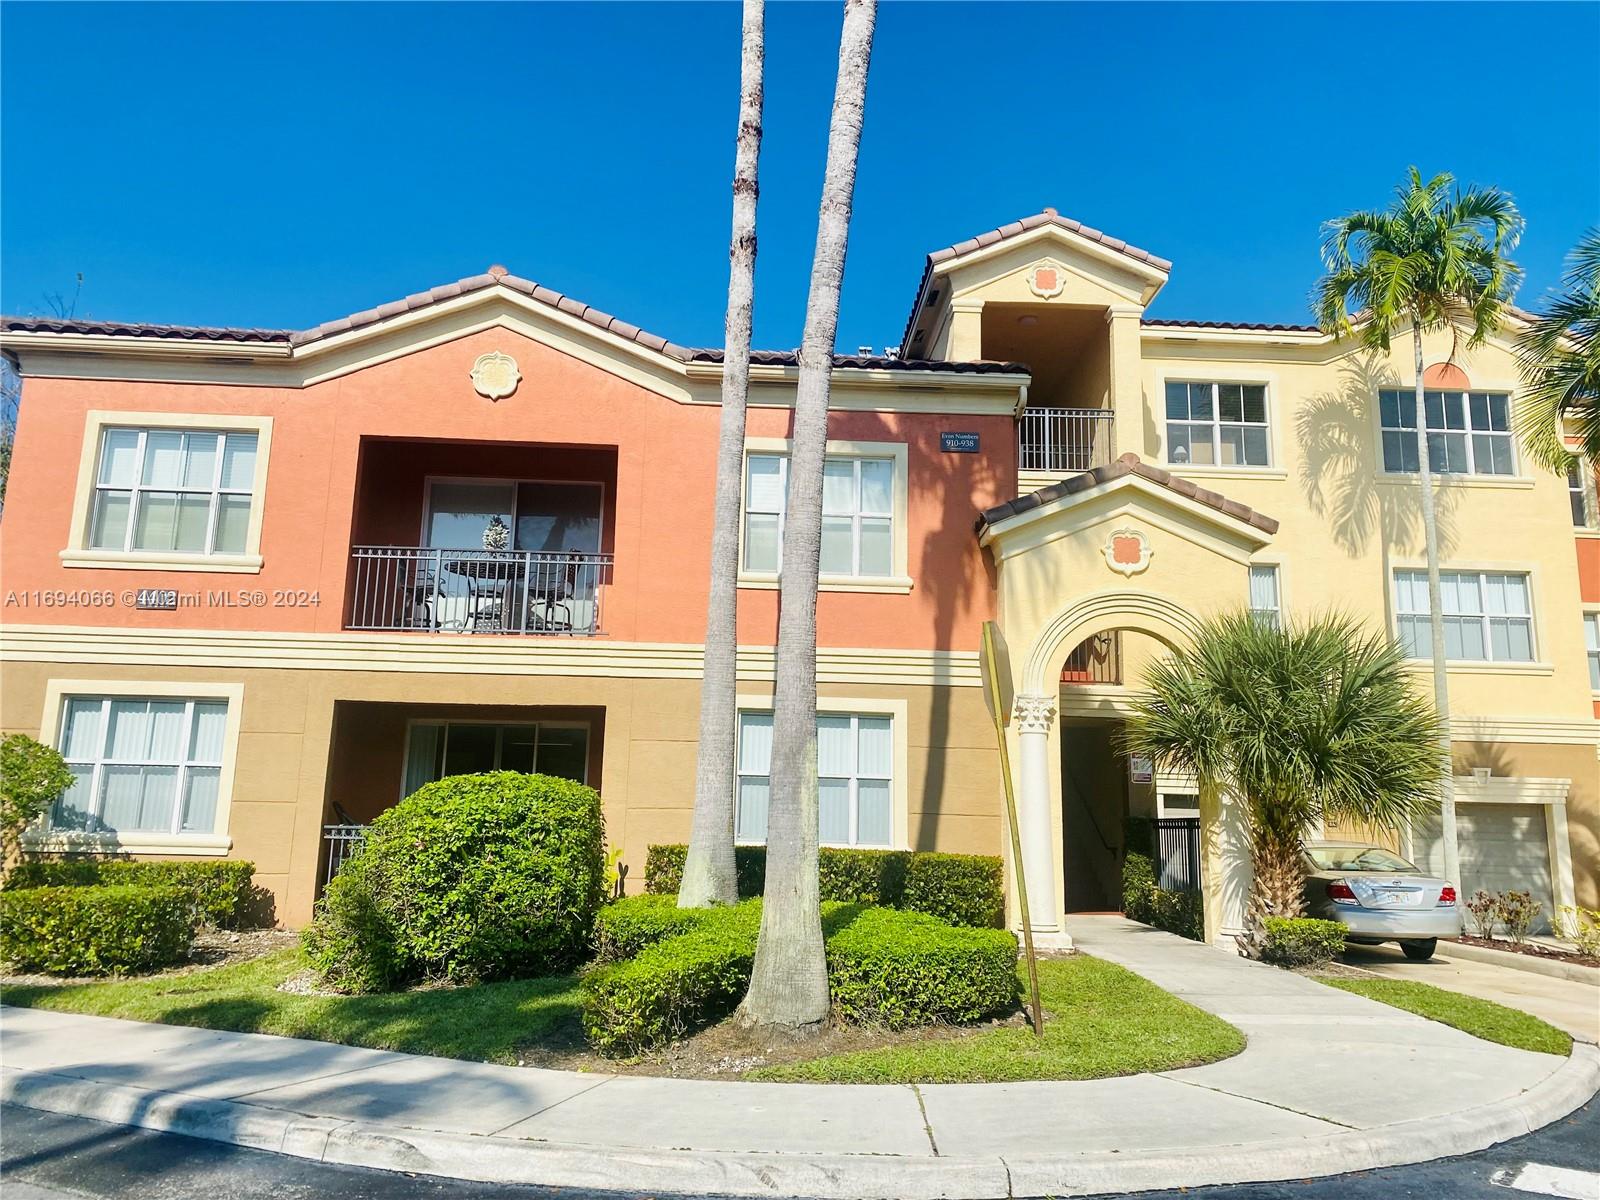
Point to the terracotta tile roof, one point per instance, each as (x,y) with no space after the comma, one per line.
(1048,217)
(1148,322)
(1128,464)
(209,333)
(494,276)
(872,362)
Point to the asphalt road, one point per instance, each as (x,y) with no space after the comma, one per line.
(46,1157)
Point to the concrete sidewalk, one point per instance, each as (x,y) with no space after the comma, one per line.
(1330,1082)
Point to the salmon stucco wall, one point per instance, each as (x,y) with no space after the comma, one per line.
(663,455)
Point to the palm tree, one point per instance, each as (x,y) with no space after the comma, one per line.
(789,980)
(1299,723)
(708,870)
(1434,259)
(1559,353)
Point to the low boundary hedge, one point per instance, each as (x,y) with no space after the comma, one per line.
(1302,941)
(690,968)
(222,891)
(96,929)
(964,889)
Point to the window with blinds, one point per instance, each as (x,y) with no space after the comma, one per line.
(1488,615)
(141,765)
(173,491)
(855,779)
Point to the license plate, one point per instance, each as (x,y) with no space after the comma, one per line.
(1397,898)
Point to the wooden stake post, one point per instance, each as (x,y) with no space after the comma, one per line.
(997,695)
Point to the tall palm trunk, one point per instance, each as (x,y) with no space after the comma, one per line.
(1441,680)
(709,875)
(789,982)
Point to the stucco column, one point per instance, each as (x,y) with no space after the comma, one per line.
(966,331)
(1034,716)
(1125,389)
(1225,841)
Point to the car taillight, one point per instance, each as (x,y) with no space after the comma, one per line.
(1340,890)
(1447,897)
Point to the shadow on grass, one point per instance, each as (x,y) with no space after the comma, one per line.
(490,1022)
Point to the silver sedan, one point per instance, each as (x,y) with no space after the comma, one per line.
(1379,897)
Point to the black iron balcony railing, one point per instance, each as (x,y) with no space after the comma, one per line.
(476,591)
(339,842)
(1063,439)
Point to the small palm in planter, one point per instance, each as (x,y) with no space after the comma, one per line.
(1309,722)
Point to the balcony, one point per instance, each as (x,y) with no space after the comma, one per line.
(481,538)
(412,588)
(1063,440)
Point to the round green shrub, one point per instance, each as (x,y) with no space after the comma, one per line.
(96,930)
(473,877)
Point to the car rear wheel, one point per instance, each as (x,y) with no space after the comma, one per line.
(1421,950)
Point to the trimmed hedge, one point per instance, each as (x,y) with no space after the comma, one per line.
(663,869)
(95,929)
(885,967)
(1182,913)
(472,877)
(223,892)
(674,985)
(900,969)
(1302,941)
(965,889)
(624,928)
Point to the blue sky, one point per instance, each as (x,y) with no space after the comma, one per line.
(283,165)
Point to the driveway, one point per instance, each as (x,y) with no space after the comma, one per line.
(1574,1007)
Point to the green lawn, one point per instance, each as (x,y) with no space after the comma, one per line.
(1482,1018)
(488,1023)
(1101,1021)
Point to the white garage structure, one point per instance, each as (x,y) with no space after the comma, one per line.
(1511,832)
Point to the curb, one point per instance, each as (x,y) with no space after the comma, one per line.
(1511,960)
(824,1177)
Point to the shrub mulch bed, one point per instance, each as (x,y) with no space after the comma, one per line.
(212,948)
(728,1051)
(1531,949)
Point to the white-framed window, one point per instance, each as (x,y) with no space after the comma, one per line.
(1266,603)
(1591,642)
(1469,433)
(855,779)
(857,515)
(1217,424)
(436,749)
(1577,495)
(141,765)
(1488,615)
(184,491)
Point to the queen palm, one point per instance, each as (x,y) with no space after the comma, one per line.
(1434,259)
(708,870)
(1559,354)
(1299,723)
(789,979)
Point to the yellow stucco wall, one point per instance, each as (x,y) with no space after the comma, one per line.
(950,793)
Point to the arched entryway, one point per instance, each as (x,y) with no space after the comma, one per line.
(1125,552)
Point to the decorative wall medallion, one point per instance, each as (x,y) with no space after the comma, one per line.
(495,375)
(1046,281)
(1127,551)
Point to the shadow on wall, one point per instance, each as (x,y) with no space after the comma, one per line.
(1343,479)
(950,481)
